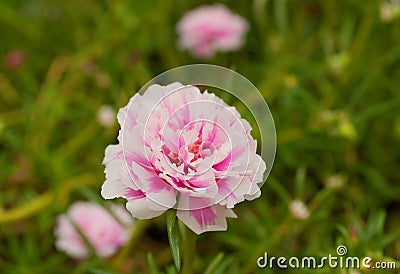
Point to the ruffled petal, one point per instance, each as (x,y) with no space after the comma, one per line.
(201,217)
(139,208)
(112,187)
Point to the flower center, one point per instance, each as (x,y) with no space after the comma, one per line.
(195,150)
(191,151)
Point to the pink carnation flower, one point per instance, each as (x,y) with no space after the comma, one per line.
(180,148)
(104,233)
(211,28)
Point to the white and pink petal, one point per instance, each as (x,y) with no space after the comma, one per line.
(209,218)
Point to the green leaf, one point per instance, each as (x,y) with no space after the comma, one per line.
(224,265)
(174,238)
(170,270)
(213,266)
(388,239)
(376,224)
(152,263)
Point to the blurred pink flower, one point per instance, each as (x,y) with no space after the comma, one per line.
(104,233)
(14,59)
(179,148)
(211,28)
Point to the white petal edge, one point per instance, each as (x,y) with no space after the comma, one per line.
(139,209)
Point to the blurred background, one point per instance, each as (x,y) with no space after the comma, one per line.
(329,71)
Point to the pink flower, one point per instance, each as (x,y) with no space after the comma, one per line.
(179,148)
(14,59)
(104,233)
(211,28)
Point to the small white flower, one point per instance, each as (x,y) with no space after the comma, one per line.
(389,10)
(299,209)
(334,181)
(106,116)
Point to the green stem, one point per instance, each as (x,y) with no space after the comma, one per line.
(137,233)
(189,250)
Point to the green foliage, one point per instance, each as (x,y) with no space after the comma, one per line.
(329,70)
(174,238)
(152,264)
